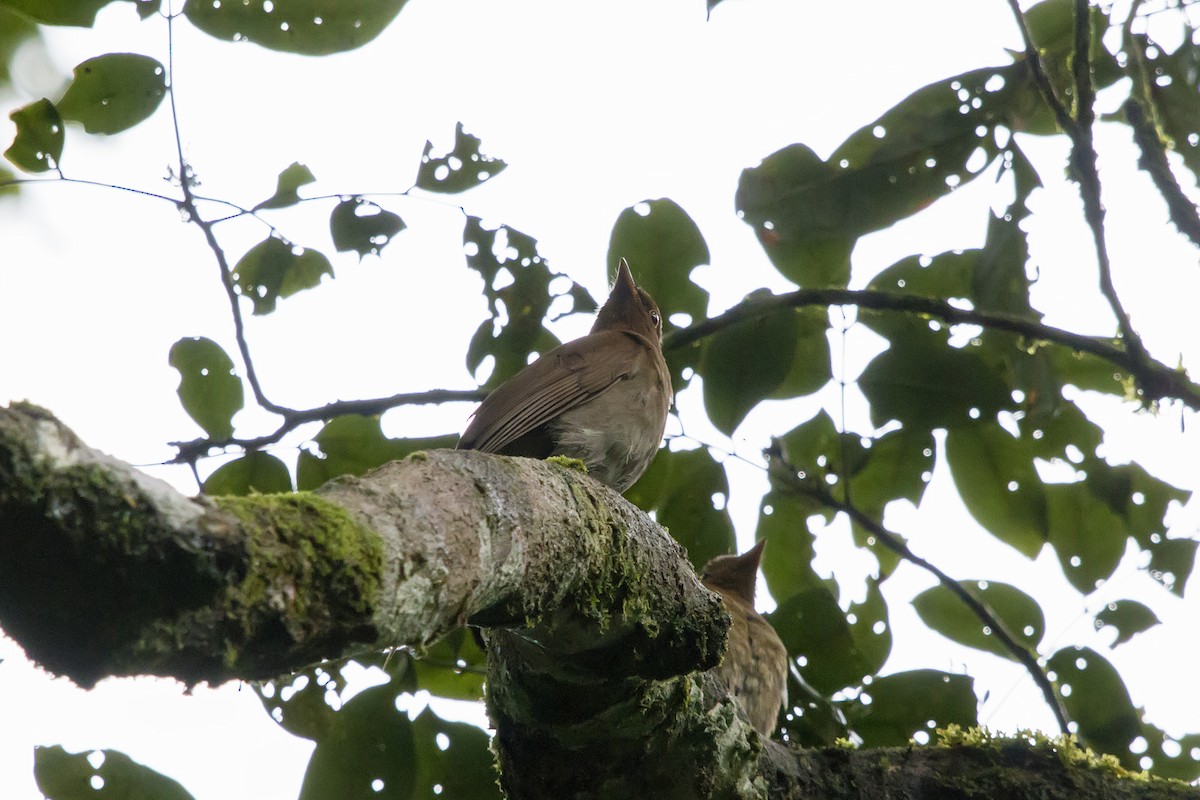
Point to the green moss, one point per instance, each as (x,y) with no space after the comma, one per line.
(305,556)
(569,463)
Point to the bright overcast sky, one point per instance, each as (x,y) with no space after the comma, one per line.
(594,107)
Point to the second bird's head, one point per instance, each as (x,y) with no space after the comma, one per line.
(629,308)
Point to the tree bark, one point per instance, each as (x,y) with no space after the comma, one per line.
(599,632)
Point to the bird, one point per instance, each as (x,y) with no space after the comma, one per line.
(755,665)
(602,398)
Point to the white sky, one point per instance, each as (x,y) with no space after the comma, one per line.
(595,108)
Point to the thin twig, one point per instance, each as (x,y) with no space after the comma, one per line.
(1034,61)
(188,452)
(188,206)
(1157,380)
(782,470)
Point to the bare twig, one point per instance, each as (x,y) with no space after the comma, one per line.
(188,452)
(781,470)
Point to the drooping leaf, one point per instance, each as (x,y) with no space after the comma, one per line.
(1128,617)
(254,472)
(289,181)
(787,559)
(1088,538)
(68,776)
(1096,699)
(687,491)
(352,445)
(464,167)
(39,141)
(308,27)
(274,269)
(362,226)
(210,391)
(944,612)
(891,709)
(999,485)
(925,384)
(114,92)
(748,361)
(663,246)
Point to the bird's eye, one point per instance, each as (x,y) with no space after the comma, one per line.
(655,318)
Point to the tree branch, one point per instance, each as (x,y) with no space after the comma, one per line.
(789,476)
(1157,380)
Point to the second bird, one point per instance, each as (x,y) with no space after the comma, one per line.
(602,398)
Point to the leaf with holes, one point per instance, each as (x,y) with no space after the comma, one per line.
(114,92)
(904,703)
(352,445)
(274,269)
(464,167)
(787,559)
(362,226)
(65,776)
(1172,562)
(455,757)
(1097,701)
(210,391)
(39,141)
(287,186)
(663,246)
(308,27)
(747,361)
(999,485)
(683,488)
(1128,618)
(945,275)
(814,628)
(452,667)
(944,612)
(254,472)
(925,384)
(1088,538)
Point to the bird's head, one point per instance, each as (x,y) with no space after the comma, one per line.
(629,308)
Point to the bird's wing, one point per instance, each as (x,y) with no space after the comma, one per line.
(560,380)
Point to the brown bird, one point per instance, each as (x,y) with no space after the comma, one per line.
(754,668)
(602,398)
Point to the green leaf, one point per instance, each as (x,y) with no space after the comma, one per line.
(210,391)
(1096,700)
(815,630)
(464,167)
(687,491)
(808,213)
(1176,99)
(1180,764)
(353,445)
(79,13)
(14,31)
(787,559)
(273,269)
(526,299)
(464,767)
(68,776)
(309,27)
(290,180)
(1129,617)
(362,226)
(926,384)
(38,145)
(810,367)
(946,275)
(1172,562)
(999,485)
(746,362)
(114,92)
(452,667)
(254,472)
(663,246)
(368,740)
(1088,538)
(891,709)
(1086,371)
(944,612)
